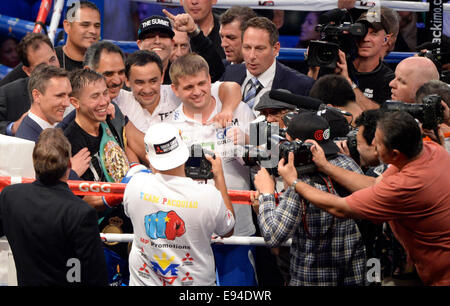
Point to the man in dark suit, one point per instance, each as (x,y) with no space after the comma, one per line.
(260,47)
(34,49)
(53,234)
(49,88)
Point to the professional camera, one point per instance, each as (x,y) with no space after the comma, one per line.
(430,113)
(254,156)
(439,55)
(197,166)
(335,35)
(351,144)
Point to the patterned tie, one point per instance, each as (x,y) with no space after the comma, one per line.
(252,91)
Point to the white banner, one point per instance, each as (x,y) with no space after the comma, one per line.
(309,5)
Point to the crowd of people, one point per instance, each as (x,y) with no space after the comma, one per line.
(348,175)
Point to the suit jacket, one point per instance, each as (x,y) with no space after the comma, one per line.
(29,129)
(14,102)
(52,233)
(285,77)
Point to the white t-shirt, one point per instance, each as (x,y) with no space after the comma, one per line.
(140,117)
(173,219)
(237,176)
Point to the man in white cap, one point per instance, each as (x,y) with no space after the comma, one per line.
(173,216)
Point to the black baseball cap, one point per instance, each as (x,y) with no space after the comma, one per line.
(153,23)
(308,125)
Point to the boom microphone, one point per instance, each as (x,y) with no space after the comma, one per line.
(302,101)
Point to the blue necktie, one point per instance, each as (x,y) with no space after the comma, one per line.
(252,91)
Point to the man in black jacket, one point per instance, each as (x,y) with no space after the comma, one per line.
(53,234)
(34,49)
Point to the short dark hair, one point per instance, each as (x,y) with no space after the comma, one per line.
(141,58)
(42,74)
(263,23)
(240,13)
(368,119)
(333,89)
(401,132)
(94,52)
(31,41)
(51,155)
(434,87)
(80,78)
(82,4)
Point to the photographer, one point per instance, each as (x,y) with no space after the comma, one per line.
(173,216)
(341,259)
(367,73)
(412,194)
(443,90)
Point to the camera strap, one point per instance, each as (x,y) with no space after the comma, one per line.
(320,180)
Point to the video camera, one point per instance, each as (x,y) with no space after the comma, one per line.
(270,146)
(439,58)
(430,113)
(197,166)
(335,35)
(254,156)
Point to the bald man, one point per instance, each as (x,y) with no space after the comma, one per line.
(410,74)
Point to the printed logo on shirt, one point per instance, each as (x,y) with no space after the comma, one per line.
(144,271)
(167,201)
(187,260)
(163,116)
(368,92)
(164,225)
(165,269)
(187,280)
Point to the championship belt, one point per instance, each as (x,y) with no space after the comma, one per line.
(113,159)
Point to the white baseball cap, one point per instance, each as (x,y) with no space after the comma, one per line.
(164,146)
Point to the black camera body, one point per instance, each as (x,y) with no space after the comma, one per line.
(197,166)
(254,156)
(325,52)
(430,113)
(352,145)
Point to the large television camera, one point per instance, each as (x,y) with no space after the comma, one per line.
(269,146)
(335,34)
(197,166)
(430,112)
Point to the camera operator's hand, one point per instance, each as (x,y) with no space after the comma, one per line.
(343,148)
(440,138)
(318,155)
(216,165)
(264,182)
(341,66)
(287,171)
(255,202)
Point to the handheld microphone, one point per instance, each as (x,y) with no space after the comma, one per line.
(303,101)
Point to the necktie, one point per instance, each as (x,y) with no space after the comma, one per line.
(252,91)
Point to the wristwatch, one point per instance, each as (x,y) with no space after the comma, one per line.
(264,196)
(195,33)
(294,183)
